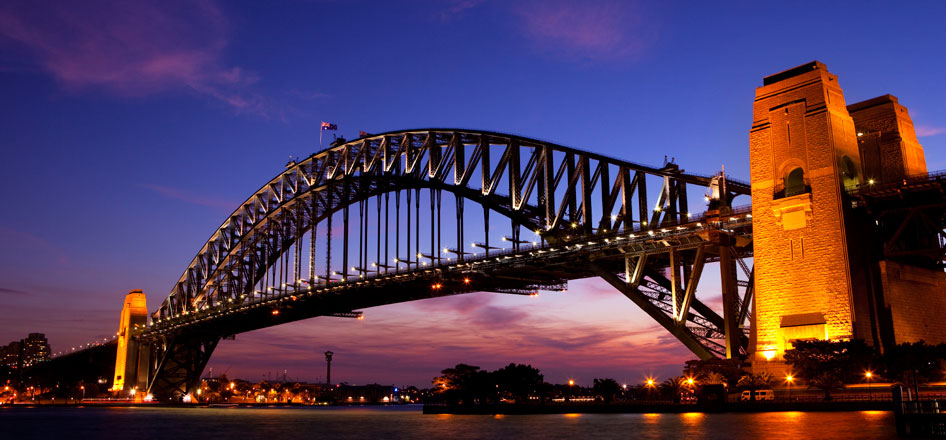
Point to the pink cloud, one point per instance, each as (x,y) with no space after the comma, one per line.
(132,49)
(926,130)
(194,199)
(603,30)
(410,343)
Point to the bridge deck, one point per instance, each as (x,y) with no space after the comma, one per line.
(549,267)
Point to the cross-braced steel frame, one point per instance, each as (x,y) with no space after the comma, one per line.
(276,258)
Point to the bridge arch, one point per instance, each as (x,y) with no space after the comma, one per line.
(570,198)
(398,157)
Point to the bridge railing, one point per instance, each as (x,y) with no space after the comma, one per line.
(867,188)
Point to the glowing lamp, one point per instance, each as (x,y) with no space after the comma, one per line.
(769,354)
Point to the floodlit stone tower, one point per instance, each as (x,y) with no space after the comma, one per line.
(887,140)
(803,154)
(821,270)
(131,360)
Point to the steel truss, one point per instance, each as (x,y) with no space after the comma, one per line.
(580,206)
(909,217)
(183,358)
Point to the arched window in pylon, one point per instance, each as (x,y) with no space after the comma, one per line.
(795,182)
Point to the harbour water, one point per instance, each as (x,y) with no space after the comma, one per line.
(407,422)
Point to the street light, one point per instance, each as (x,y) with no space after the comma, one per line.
(789,379)
(869,376)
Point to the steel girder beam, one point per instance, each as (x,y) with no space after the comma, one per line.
(632,292)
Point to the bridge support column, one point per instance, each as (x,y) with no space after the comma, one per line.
(180,361)
(131,360)
(727,277)
(804,155)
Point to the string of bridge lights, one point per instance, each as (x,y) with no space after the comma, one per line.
(80,347)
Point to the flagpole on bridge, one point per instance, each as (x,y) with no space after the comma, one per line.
(322,127)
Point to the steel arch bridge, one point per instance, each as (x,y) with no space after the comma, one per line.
(550,214)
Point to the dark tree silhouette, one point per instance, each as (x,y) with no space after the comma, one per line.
(828,365)
(519,381)
(606,388)
(465,384)
(673,387)
(914,363)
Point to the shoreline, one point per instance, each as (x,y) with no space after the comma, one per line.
(631,408)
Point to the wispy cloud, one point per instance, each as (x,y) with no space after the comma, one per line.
(604,30)
(15,241)
(927,130)
(451,9)
(194,199)
(133,49)
(308,94)
(6,291)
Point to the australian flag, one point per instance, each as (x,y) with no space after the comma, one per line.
(327,126)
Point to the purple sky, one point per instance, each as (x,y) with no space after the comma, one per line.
(129,130)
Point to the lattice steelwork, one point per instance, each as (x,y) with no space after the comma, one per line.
(571,214)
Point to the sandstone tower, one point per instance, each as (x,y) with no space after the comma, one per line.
(820,268)
(803,153)
(131,360)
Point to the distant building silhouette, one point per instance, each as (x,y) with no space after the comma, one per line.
(25,352)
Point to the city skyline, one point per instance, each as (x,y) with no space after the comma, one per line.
(142,144)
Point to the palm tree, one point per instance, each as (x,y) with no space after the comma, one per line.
(606,388)
(674,386)
(753,382)
(714,378)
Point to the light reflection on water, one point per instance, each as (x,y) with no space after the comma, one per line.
(408,422)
